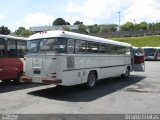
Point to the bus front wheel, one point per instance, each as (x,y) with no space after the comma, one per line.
(91,81)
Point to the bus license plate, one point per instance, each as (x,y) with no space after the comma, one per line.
(37,72)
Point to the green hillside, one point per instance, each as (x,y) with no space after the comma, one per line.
(153,41)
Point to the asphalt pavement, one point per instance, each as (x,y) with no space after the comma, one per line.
(138,94)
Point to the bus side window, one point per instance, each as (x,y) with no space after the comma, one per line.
(92,47)
(121,50)
(11,48)
(2,47)
(105,49)
(80,46)
(70,45)
(21,48)
(102,49)
(128,51)
(114,49)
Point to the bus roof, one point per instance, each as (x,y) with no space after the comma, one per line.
(59,33)
(148,47)
(13,37)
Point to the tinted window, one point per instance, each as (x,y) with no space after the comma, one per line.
(105,48)
(2,47)
(70,46)
(21,48)
(114,49)
(121,50)
(11,48)
(92,47)
(80,46)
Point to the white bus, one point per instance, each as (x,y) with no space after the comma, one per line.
(66,58)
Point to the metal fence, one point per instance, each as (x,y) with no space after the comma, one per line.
(134,33)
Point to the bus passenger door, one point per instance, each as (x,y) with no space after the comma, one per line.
(139,61)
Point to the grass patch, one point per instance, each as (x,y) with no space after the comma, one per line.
(153,41)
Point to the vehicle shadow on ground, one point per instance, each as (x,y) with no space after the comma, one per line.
(79,94)
(11,86)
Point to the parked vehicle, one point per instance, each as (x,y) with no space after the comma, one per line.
(158,53)
(150,53)
(12,50)
(66,58)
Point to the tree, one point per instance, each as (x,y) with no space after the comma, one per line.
(128,26)
(77,23)
(66,28)
(67,23)
(82,28)
(59,21)
(108,28)
(157,26)
(143,26)
(154,26)
(113,27)
(4,30)
(22,31)
(94,28)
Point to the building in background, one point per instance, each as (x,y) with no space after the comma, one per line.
(73,28)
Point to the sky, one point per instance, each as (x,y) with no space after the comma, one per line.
(30,13)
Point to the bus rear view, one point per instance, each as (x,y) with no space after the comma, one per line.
(150,53)
(66,58)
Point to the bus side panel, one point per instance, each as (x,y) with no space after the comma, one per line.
(28,66)
(11,67)
(113,66)
(80,65)
(68,70)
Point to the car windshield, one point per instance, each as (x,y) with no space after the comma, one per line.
(53,44)
(33,45)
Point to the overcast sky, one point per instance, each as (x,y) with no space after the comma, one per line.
(28,13)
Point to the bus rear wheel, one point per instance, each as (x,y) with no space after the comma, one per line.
(127,73)
(19,79)
(91,81)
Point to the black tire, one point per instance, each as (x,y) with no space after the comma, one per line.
(19,79)
(127,74)
(91,81)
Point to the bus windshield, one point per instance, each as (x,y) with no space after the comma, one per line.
(33,45)
(149,51)
(53,44)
